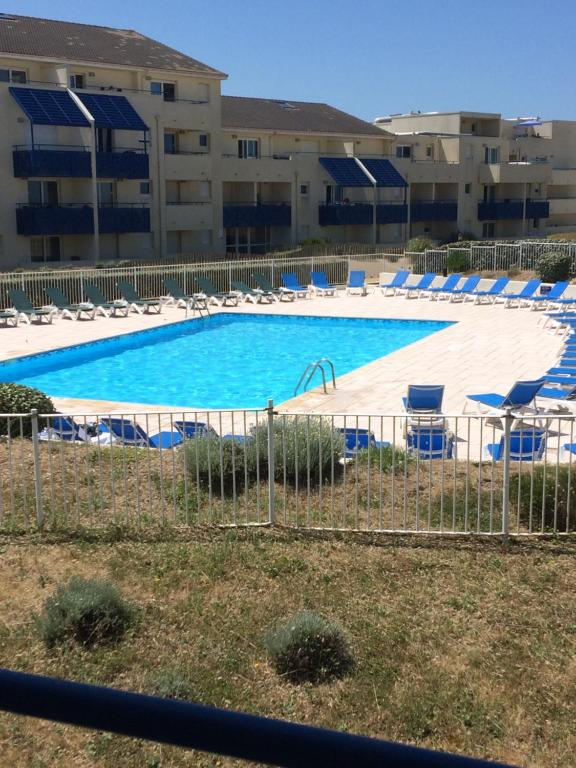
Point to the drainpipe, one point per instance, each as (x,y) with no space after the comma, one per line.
(374,199)
(93,174)
(159,193)
(524,211)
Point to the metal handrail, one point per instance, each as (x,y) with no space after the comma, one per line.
(311,369)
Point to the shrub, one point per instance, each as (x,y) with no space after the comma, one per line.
(458,261)
(384,459)
(170,683)
(554,266)
(419,244)
(16,398)
(309,648)
(219,465)
(539,487)
(89,611)
(304,447)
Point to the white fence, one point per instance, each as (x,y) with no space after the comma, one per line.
(503,475)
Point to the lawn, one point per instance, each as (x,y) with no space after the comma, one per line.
(462,646)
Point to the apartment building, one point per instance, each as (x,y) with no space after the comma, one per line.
(495,177)
(115,146)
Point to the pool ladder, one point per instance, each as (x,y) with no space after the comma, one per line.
(196,305)
(311,369)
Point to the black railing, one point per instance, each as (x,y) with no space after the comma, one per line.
(234,734)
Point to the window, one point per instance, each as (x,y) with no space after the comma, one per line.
(488,229)
(248,148)
(44,193)
(106,194)
(44,249)
(170,143)
(491,155)
(104,140)
(144,187)
(166,90)
(304,190)
(404,150)
(13,76)
(536,223)
(203,140)
(467,188)
(77,81)
(430,151)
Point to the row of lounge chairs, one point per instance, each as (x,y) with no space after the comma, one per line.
(455,288)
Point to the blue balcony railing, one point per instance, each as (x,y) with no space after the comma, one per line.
(54,220)
(391,213)
(344,213)
(496,210)
(434,210)
(257,214)
(537,209)
(124,218)
(74,162)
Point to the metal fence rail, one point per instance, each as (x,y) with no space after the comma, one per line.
(236,734)
(503,475)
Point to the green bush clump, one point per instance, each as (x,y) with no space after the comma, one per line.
(458,261)
(309,648)
(419,245)
(17,398)
(546,495)
(219,466)
(170,683)
(554,266)
(88,611)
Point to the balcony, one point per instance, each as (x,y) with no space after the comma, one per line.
(336,214)
(54,220)
(434,210)
(562,206)
(122,164)
(537,209)
(196,166)
(527,172)
(74,163)
(124,217)
(257,214)
(47,161)
(496,210)
(391,213)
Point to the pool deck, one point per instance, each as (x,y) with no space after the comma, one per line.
(487,350)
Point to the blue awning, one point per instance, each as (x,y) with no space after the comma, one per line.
(112,112)
(345,171)
(528,122)
(43,107)
(384,172)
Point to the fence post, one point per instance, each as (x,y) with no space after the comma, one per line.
(508,419)
(272,271)
(37,469)
(271,468)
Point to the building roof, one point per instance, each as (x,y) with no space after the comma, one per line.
(294,116)
(63,40)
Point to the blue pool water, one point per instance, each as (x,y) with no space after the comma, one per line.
(226,361)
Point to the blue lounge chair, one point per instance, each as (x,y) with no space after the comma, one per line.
(555,393)
(525,445)
(130,433)
(397,282)
(429,443)
(469,285)
(521,394)
(489,295)
(543,299)
(446,288)
(291,283)
(191,429)
(415,291)
(423,399)
(63,428)
(357,439)
(320,285)
(526,293)
(357,282)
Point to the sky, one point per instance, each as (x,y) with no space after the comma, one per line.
(366,57)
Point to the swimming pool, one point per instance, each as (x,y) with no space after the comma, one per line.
(225,361)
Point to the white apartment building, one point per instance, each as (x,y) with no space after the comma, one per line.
(115,146)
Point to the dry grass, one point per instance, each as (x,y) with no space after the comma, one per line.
(463,647)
